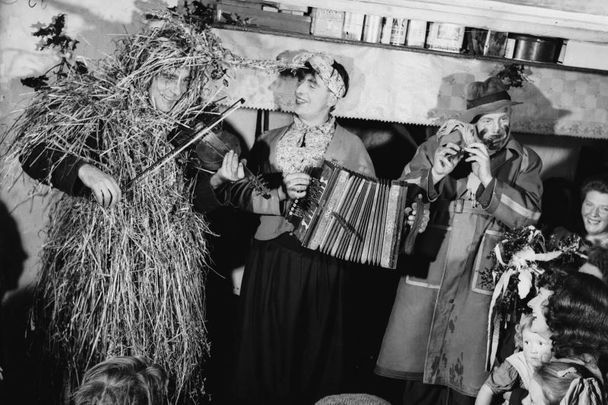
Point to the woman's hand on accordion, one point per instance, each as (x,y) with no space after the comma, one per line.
(295,185)
(413,211)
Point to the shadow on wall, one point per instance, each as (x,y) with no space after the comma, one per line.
(450,99)
(536,114)
(12,254)
(12,257)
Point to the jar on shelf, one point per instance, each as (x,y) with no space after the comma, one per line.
(372,28)
(387,28)
(416,33)
(398,31)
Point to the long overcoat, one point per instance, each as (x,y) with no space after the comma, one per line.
(437,329)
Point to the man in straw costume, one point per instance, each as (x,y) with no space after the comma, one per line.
(123,269)
(481,181)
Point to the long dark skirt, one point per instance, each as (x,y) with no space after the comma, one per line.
(291,346)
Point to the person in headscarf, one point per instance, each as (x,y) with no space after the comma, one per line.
(291,329)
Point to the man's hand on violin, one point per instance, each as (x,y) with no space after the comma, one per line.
(231,170)
(104,187)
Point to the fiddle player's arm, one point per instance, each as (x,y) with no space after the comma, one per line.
(70,174)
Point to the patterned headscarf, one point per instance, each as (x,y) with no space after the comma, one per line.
(322,64)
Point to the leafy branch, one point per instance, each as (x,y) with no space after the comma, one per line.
(513,75)
(52,36)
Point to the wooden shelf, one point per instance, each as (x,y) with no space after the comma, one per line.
(580,20)
(411,49)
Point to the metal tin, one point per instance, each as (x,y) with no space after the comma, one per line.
(510,48)
(372,28)
(445,37)
(536,49)
(398,31)
(387,27)
(416,35)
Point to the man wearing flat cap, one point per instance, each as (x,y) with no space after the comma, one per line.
(480,182)
(291,329)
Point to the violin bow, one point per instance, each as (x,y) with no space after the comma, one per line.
(172,154)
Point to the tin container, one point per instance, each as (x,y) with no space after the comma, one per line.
(536,49)
(510,48)
(398,31)
(372,28)
(387,27)
(353,26)
(445,37)
(416,33)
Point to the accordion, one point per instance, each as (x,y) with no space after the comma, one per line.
(351,216)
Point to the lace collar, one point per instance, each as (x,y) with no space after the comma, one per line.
(303,146)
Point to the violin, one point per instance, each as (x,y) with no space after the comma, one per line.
(211,150)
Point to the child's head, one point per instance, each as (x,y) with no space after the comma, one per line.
(559,381)
(537,349)
(129,380)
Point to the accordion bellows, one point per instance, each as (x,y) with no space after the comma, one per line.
(351,216)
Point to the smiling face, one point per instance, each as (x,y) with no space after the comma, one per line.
(537,349)
(538,305)
(595,213)
(313,100)
(168,87)
(493,129)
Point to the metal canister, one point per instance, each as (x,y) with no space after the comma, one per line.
(387,27)
(372,28)
(398,31)
(537,49)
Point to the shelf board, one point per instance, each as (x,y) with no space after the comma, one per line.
(587,21)
(409,49)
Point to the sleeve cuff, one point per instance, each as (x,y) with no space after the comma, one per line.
(205,198)
(483,195)
(65,176)
(432,193)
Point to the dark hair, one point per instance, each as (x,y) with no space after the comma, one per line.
(597,183)
(598,257)
(308,70)
(577,315)
(127,380)
(555,381)
(344,74)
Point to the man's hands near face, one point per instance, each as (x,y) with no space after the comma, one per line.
(445,159)
(480,159)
